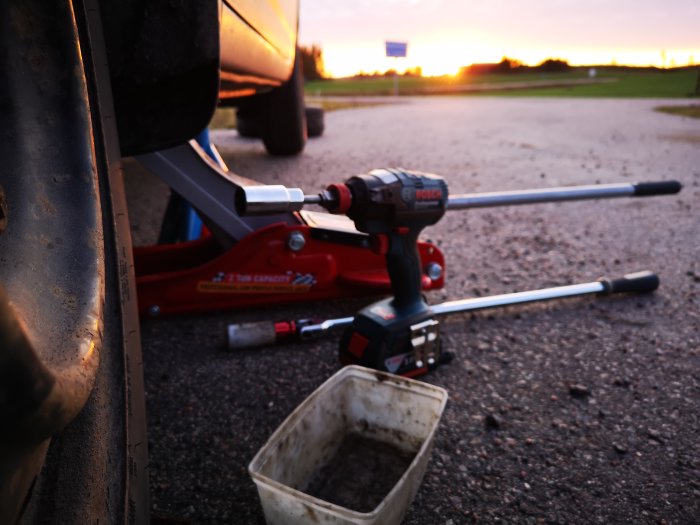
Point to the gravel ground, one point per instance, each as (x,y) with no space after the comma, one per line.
(578,411)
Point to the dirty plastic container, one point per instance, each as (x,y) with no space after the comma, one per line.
(363,439)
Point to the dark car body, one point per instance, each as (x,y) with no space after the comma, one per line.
(170,62)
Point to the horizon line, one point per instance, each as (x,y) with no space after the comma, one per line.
(409,70)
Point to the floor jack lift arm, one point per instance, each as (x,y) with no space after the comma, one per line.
(189,171)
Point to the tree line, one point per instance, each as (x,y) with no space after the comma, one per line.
(312,64)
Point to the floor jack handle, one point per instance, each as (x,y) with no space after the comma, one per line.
(248,335)
(640,282)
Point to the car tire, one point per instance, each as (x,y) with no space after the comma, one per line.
(282,116)
(248,124)
(314,121)
(95,466)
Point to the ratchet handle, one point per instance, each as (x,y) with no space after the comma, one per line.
(666,187)
(640,282)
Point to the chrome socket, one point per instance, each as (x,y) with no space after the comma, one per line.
(268,200)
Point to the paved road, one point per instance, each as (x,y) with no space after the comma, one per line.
(517,443)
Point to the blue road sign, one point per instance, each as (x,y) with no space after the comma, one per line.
(396,49)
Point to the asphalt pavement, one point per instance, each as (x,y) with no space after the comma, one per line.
(576,411)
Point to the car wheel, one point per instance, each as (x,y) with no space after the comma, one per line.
(314,121)
(72,444)
(282,116)
(248,124)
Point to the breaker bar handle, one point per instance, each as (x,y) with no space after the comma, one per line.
(249,335)
(271,199)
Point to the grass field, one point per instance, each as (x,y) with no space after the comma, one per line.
(615,83)
(225,118)
(692,110)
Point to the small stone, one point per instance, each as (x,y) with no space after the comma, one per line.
(579,391)
(493,422)
(558,423)
(621,382)
(620,449)
(654,435)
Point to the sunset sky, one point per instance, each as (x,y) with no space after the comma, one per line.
(444,35)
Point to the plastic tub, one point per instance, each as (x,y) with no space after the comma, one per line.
(363,439)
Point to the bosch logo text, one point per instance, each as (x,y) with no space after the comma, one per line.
(428,195)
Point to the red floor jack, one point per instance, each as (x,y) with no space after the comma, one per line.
(401,334)
(285,256)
